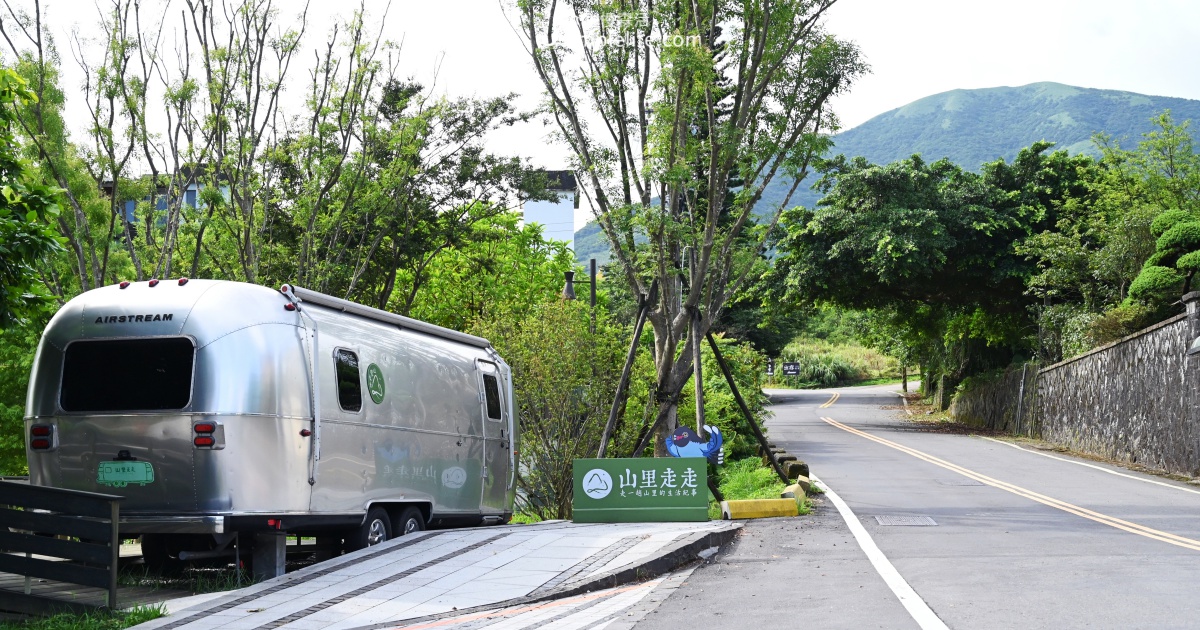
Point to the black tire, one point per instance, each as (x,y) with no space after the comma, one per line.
(156,555)
(411,520)
(377,528)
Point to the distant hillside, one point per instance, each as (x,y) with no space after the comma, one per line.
(972,127)
(591,243)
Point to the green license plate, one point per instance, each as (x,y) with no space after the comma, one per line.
(121,474)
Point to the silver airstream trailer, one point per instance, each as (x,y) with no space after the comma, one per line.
(218,408)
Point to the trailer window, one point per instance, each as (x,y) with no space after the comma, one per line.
(127,374)
(492,392)
(349,385)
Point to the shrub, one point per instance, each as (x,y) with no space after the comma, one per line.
(1119,322)
(1189,262)
(1181,238)
(720,407)
(1155,284)
(564,379)
(1167,220)
(749,479)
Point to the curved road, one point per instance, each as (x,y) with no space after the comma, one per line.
(1022,539)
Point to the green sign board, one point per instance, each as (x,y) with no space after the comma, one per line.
(640,490)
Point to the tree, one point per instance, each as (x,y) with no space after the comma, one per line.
(564,377)
(42,125)
(1118,258)
(671,106)
(369,224)
(27,205)
(1163,174)
(932,248)
(501,271)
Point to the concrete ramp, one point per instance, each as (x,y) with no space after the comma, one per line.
(432,574)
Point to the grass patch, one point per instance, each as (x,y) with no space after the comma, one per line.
(195,580)
(524,518)
(883,380)
(91,621)
(825,363)
(748,479)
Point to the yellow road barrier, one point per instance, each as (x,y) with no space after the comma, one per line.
(758,508)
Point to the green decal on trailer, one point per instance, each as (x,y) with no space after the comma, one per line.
(119,474)
(640,489)
(375,383)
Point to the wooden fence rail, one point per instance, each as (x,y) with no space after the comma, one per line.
(62,535)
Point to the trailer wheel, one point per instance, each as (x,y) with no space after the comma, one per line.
(411,521)
(156,555)
(376,529)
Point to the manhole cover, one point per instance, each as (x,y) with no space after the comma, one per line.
(910,521)
(959,482)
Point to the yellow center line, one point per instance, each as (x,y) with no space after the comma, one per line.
(1133,528)
(832,399)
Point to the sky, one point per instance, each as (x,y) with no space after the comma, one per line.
(915,48)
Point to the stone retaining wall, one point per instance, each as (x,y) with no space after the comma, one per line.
(1132,401)
(1005,402)
(1136,400)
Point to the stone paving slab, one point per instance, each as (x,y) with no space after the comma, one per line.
(428,575)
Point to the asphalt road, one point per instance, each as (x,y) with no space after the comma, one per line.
(1022,539)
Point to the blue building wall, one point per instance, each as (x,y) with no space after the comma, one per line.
(190,197)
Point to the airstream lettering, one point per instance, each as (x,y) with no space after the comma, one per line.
(233,408)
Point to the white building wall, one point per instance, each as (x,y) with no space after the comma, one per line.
(556,217)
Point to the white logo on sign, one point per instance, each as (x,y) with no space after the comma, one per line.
(597,483)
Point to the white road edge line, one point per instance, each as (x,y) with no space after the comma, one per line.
(1100,468)
(920,611)
(1069,461)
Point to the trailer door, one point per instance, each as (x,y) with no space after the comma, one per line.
(496,439)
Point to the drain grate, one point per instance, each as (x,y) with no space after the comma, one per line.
(909,521)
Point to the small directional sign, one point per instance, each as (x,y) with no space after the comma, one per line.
(791,368)
(770,367)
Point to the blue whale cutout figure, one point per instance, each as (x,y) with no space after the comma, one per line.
(685,443)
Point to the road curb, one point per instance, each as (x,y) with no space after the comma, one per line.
(678,555)
(681,553)
(760,508)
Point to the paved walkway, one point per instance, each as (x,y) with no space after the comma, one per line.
(433,575)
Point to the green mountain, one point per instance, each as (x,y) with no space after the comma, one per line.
(972,127)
